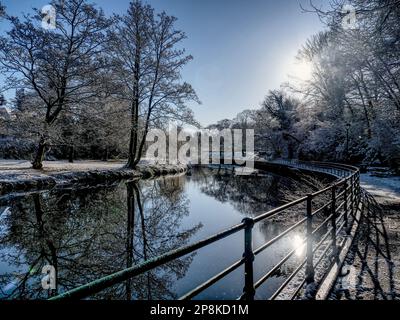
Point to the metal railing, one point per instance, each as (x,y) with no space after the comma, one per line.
(340,203)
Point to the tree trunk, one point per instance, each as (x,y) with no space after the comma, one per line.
(105,154)
(135,110)
(132,152)
(41,150)
(71,154)
(133,142)
(141,146)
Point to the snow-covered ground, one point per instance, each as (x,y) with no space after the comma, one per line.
(58,166)
(384,189)
(372,267)
(19,176)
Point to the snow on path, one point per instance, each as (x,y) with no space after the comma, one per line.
(373,274)
(384,189)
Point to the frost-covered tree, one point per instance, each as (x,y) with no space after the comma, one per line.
(274,125)
(147,60)
(60,67)
(354,93)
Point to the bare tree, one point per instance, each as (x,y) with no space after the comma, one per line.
(59,66)
(147,65)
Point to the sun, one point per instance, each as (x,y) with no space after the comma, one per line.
(300,70)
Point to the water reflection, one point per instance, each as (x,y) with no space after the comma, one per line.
(92,232)
(298,243)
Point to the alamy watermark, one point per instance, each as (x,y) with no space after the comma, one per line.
(49,17)
(49,281)
(203,147)
(349,21)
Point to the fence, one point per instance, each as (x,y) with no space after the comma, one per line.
(341,201)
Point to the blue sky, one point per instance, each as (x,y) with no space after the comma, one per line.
(241,48)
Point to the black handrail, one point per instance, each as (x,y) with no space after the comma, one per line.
(351,193)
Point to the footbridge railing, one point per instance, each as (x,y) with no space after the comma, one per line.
(326,217)
(334,169)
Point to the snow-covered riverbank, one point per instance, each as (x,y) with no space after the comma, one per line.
(18,175)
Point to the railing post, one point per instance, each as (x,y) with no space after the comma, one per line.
(352,195)
(355,193)
(333,233)
(248,290)
(310,255)
(346,208)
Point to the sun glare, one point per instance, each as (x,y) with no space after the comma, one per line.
(300,70)
(299,245)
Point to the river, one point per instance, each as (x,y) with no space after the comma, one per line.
(92,231)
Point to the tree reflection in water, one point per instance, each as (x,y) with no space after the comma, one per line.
(92,232)
(251,196)
(89,233)
(255,194)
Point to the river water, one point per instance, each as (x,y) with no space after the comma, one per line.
(91,232)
